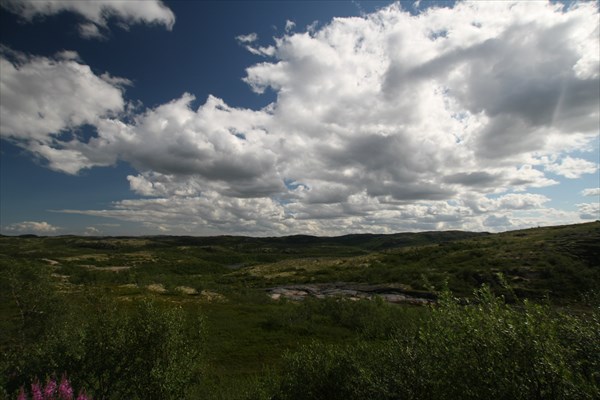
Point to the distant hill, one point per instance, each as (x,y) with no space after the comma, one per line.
(561,262)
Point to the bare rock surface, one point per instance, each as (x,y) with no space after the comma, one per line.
(353,291)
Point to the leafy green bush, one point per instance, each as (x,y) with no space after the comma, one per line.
(133,350)
(369,319)
(484,349)
(145,351)
(488,349)
(323,372)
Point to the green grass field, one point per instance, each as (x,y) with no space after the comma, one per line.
(60,295)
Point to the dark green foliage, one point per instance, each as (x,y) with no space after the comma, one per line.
(137,350)
(130,342)
(143,352)
(31,308)
(324,372)
(484,350)
(28,300)
(559,262)
(369,319)
(489,349)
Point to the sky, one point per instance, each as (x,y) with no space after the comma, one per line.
(267,118)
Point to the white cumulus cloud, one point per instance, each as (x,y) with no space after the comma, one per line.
(44,97)
(589,210)
(591,192)
(388,121)
(249,38)
(32,227)
(289,26)
(97,13)
(572,168)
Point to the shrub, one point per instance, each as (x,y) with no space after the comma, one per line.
(484,349)
(117,351)
(322,372)
(488,349)
(369,318)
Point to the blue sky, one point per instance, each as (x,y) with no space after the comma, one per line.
(275,118)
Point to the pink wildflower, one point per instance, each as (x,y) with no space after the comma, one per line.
(65,391)
(36,390)
(22,395)
(83,396)
(50,389)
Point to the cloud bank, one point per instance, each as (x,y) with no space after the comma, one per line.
(384,122)
(32,227)
(45,100)
(97,13)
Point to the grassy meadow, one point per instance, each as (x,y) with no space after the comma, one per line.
(509,315)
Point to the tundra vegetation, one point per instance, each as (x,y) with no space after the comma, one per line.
(435,315)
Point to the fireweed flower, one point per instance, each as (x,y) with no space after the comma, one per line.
(50,389)
(36,390)
(82,395)
(65,391)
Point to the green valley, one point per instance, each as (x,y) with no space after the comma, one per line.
(299,317)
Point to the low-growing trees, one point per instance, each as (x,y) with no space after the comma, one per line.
(136,349)
(484,349)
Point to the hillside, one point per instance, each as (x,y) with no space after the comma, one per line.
(235,301)
(560,262)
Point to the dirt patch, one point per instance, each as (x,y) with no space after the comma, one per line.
(212,296)
(113,268)
(306,267)
(62,278)
(129,286)
(190,291)
(141,257)
(157,288)
(87,257)
(116,268)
